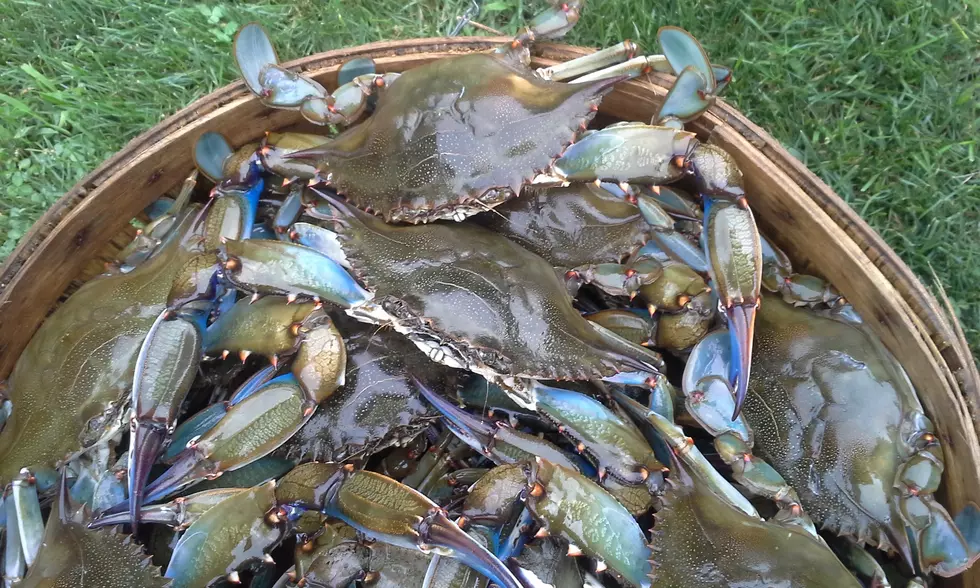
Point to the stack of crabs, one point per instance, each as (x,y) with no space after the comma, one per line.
(461,339)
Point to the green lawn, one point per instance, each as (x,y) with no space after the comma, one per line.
(878,98)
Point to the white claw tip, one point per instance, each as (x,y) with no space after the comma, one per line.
(234,578)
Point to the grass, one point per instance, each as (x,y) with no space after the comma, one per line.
(879,98)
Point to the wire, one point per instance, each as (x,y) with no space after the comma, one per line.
(461,21)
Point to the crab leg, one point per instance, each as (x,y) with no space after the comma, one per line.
(619,53)
(268,267)
(627,152)
(177,514)
(614,278)
(797,289)
(165,370)
(674,244)
(684,446)
(30,523)
(498,442)
(250,430)
(615,445)
(387,511)
(709,400)
(282,88)
(14,564)
(255,426)
(212,547)
(569,505)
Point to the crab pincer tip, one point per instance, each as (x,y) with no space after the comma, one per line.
(741,328)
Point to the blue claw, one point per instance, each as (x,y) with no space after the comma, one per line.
(253,53)
(269,267)
(682,50)
(499,443)
(686,100)
(210,153)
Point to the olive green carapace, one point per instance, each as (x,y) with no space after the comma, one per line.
(73,556)
(69,384)
(473,286)
(458,129)
(382,505)
(700,540)
(378,404)
(827,403)
(233,533)
(572,226)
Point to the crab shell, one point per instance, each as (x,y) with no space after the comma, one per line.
(837,417)
(73,555)
(456,137)
(481,302)
(377,406)
(701,540)
(70,386)
(571,226)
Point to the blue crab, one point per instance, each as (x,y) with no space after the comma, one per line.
(835,415)
(445,143)
(482,303)
(241,529)
(89,352)
(73,555)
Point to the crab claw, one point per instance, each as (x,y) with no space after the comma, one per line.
(259,64)
(731,241)
(687,99)
(741,328)
(557,20)
(682,51)
(266,267)
(397,515)
(165,370)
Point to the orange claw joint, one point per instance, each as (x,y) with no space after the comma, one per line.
(731,242)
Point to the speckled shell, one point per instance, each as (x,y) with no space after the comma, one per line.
(700,540)
(457,129)
(72,556)
(576,225)
(485,293)
(69,384)
(827,403)
(378,404)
